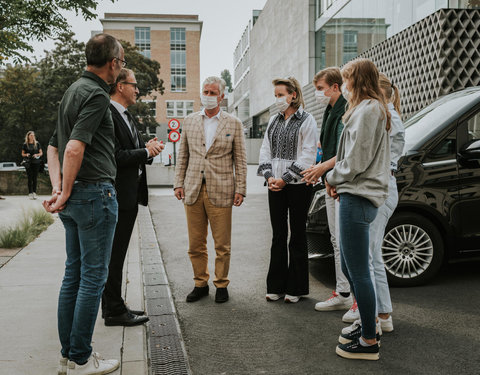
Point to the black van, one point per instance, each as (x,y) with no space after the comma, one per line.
(438,180)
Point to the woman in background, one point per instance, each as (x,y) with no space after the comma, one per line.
(32,155)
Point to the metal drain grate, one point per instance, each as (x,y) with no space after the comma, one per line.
(171,368)
(159,306)
(163,325)
(165,349)
(155,278)
(157,291)
(167,355)
(153,268)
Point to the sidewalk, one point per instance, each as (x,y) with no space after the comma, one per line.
(29,286)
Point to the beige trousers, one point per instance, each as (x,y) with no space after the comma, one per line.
(220,218)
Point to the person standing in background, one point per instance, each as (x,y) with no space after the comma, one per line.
(32,155)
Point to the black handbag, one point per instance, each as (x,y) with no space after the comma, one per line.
(26,162)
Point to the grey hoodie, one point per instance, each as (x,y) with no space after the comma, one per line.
(363,156)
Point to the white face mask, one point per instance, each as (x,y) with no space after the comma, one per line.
(281,104)
(321,98)
(209,102)
(345,92)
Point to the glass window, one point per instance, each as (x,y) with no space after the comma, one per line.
(179,108)
(350,45)
(178,60)
(142,40)
(474,127)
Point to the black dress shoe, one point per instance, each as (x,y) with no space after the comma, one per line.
(126,319)
(221,295)
(197,293)
(136,312)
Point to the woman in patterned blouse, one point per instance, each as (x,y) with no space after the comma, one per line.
(288,148)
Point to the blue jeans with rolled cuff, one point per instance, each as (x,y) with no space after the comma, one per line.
(89,219)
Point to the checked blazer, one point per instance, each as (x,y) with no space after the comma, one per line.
(224,166)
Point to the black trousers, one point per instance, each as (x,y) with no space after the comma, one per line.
(112,301)
(288,271)
(32,173)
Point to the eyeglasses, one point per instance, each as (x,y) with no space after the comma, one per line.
(123,62)
(134,84)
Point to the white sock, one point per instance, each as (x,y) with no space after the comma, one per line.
(363,343)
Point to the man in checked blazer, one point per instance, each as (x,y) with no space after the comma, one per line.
(131,155)
(211,176)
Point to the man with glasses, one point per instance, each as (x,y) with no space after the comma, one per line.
(131,155)
(82,171)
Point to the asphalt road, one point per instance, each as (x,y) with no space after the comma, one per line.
(437,329)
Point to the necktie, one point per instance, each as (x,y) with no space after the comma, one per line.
(133,129)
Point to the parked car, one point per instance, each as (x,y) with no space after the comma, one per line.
(9,166)
(438,179)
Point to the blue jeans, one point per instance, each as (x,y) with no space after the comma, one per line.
(355,215)
(377,231)
(89,220)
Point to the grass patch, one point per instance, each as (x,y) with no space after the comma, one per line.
(26,230)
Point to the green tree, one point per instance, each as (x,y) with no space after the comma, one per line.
(22,21)
(227,77)
(21,109)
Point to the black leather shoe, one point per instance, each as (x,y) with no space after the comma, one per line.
(221,295)
(126,319)
(136,312)
(197,293)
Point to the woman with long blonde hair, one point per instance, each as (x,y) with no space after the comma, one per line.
(288,148)
(32,158)
(360,181)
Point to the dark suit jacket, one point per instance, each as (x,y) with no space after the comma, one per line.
(131,188)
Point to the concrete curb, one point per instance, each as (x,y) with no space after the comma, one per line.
(166,348)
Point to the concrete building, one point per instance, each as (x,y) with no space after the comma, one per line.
(300,37)
(174,41)
(239,103)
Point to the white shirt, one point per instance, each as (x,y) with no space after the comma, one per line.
(210,125)
(121,109)
(280,156)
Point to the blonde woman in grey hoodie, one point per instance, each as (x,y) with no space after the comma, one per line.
(360,181)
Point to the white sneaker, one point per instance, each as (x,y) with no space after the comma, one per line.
(30,195)
(358,323)
(386,324)
(94,366)
(273,297)
(351,315)
(62,366)
(34,196)
(292,299)
(335,302)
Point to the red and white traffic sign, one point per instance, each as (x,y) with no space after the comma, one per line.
(174,136)
(174,124)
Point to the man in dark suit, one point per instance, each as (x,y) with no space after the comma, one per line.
(131,155)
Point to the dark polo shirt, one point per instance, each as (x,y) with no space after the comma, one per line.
(84,115)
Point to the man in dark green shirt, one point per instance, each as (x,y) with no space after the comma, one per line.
(328,92)
(82,171)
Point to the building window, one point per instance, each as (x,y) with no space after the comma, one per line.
(178,64)
(350,45)
(142,40)
(179,108)
(320,49)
